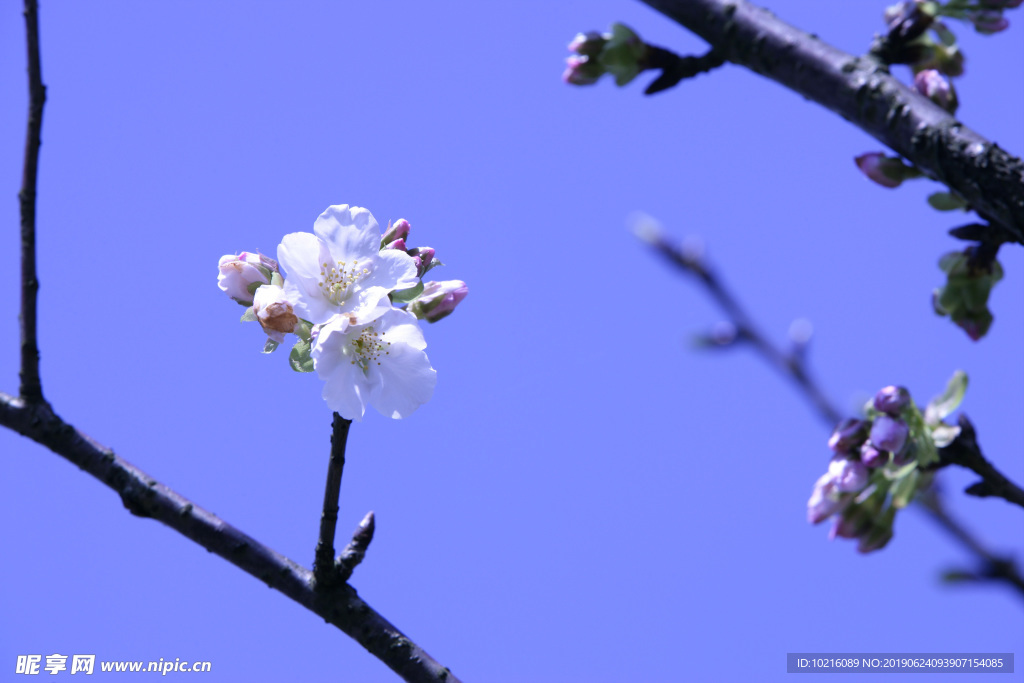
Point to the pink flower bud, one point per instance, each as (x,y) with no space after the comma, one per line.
(849,476)
(891,400)
(438,299)
(398,244)
(398,230)
(422,256)
(589,44)
(872,457)
(989,21)
(240,275)
(582,71)
(848,436)
(825,500)
(274,312)
(886,171)
(889,434)
(936,88)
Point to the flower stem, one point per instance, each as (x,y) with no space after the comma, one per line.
(31,389)
(323,564)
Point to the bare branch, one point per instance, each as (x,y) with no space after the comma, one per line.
(31,389)
(862,91)
(145,497)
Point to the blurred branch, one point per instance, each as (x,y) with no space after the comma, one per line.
(323,563)
(31,389)
(993,568)
(965,452)
(793,366)
(862,91)
(145,497)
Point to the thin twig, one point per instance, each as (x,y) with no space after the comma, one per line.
(790,365)
(145,497)
(861,90)
(675,68)
(323,564)
(793,366)
(31,389)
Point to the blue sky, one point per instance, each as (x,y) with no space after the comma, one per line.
(585,497)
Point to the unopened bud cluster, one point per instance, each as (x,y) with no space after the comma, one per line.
(970,276)
(874,470)
(620,53)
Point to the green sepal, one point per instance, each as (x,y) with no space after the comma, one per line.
(946,201)
(270,346)
(276,280)
(300,358)
(949,400)
(920,437)
(249,316)
(433,264)
(303,330)
(622,54)
(406,295)
(904,489)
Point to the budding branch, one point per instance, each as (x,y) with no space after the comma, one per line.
(862,91)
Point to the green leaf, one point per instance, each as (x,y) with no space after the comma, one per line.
(946,201)
(249,316)
(948,401)
(300,358)
(405,295)
(270,346)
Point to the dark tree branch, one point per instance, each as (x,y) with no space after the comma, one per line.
(31,389)
(323,563)
(994,568)
(339,604)
(862,91)
(965,452)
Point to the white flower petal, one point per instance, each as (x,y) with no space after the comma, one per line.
(346,392)
(393,270)
(382,363)
(301,255)
(407,382)
(351,232)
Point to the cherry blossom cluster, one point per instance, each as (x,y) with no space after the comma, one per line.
(353,299)
(879,463)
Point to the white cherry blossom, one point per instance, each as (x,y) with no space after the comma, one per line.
(381,362)
(340,269)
